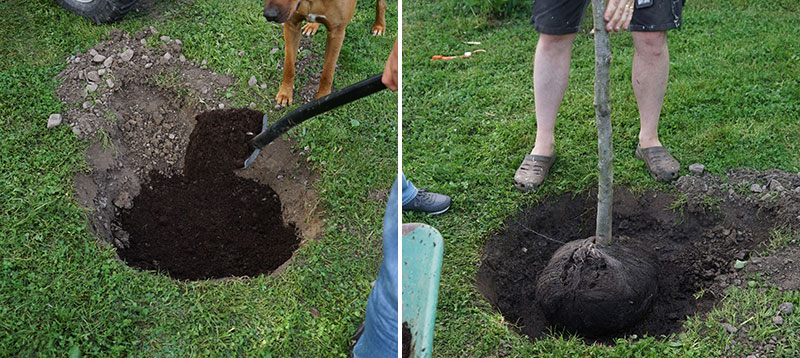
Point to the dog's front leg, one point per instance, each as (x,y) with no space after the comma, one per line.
(379,26)
(332,47)
(291,38)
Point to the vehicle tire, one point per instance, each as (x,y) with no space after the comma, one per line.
(99,11)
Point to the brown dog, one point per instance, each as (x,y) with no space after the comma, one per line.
(335,15)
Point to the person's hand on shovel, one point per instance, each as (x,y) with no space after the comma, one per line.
(390,70)
(618,14)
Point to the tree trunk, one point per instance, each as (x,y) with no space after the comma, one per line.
(605,190)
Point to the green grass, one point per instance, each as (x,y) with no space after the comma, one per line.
(60,292)
(733,101)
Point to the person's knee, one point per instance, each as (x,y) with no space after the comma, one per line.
(651,44)
(549,42)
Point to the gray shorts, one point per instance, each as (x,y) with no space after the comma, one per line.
(559,17)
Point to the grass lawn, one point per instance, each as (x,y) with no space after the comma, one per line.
(61,293)
(733,101)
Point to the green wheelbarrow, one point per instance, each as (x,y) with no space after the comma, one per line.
(422,267)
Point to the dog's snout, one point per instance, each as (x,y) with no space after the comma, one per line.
(271,14)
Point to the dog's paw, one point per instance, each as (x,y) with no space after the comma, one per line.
(284,98)
(378,30)
(310,28)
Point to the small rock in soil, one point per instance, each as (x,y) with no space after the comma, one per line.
(756,188)
(730,328)
(775,185)
(54,120)
(93,76)
(110,83)
(98,58)
(108,61)
(786,308)
(697,168)
(148,65)
(138,35)
(101,72)
(252,81)
(221,106)
(778,320)
(182,58)
(93,52)
(143,42)
(167,56)
(91,87)
(127,55)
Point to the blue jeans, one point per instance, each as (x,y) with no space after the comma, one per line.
(380,324)
(409,191)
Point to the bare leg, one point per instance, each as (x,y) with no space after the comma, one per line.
(649,77)
(550,77)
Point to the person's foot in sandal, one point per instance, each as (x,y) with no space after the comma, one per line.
(532,171)
(662,166)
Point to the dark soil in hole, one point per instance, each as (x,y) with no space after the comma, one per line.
(407,346)
(209,223)
(697,235)
(137,111)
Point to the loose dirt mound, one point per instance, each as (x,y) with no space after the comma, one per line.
(209,223)
(697,234)
(135,98)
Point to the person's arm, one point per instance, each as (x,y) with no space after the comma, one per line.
(618,14)
(390,70)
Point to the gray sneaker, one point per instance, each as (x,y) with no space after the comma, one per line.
(427,202)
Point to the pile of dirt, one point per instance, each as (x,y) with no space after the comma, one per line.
(697,234)
(134,98)
(209,223)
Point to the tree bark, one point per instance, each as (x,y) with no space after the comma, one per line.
(605,185)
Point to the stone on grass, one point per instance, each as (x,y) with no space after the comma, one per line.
(127,55)
(93,76)
(756,188)
(778,320)
(54,120)
(275,50)
(263,86)
(110,83)
(98,58)
(697,168)
(241,53)
(730,328)
(786,308)
(164,38)
(252,81)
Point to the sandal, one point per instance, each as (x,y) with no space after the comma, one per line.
(532,171)
(662,166)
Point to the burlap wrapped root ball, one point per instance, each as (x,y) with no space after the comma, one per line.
(595,289)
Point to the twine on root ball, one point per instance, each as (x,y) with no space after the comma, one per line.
(595,288)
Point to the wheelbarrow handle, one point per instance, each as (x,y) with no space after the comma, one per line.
(317,106)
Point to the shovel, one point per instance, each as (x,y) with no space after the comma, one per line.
(311,109)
